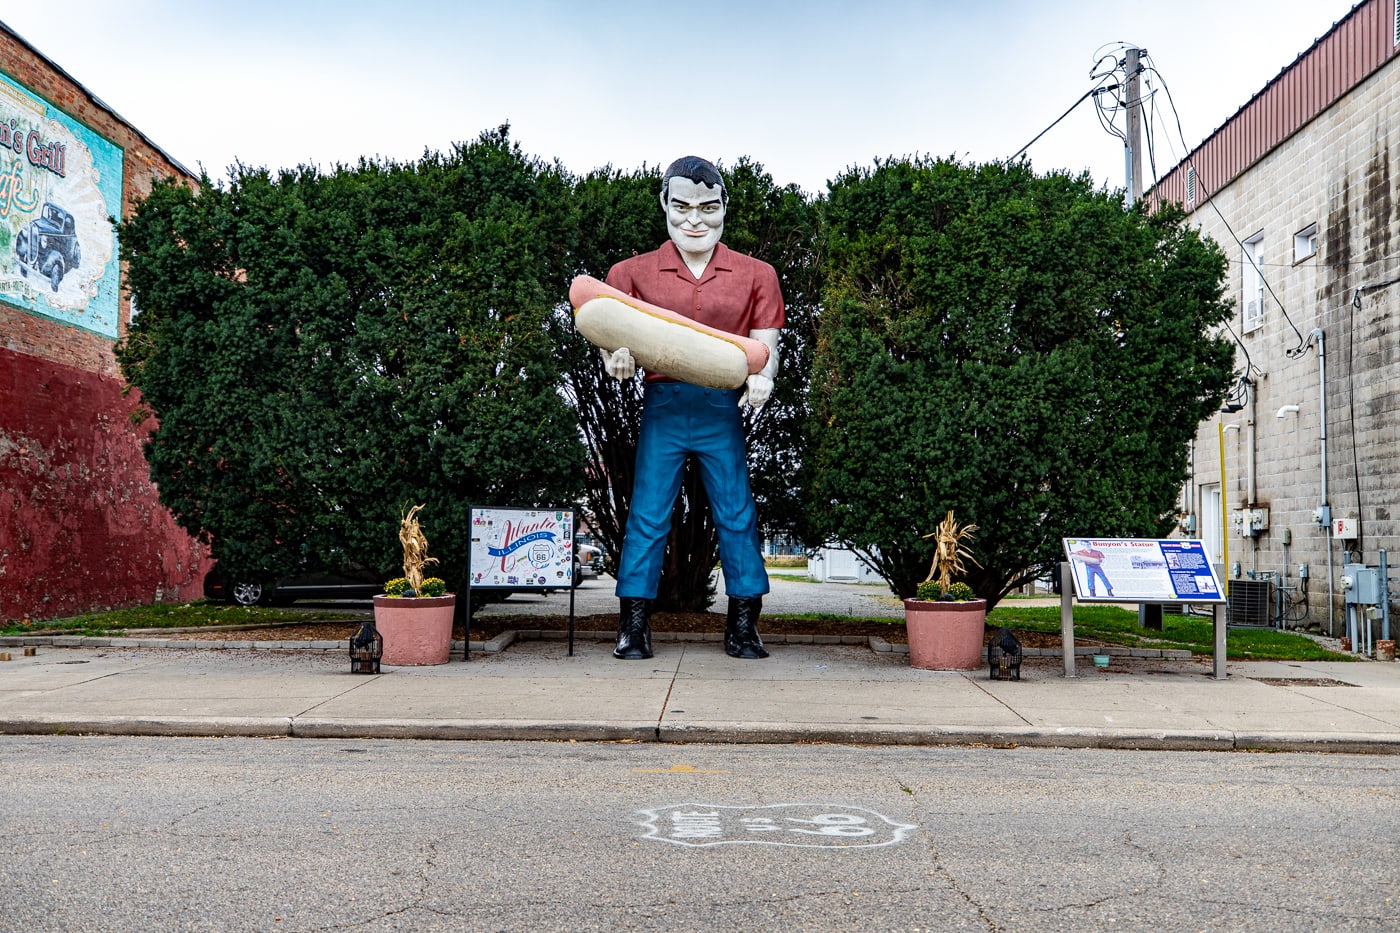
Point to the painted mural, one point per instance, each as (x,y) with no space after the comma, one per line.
(60,185)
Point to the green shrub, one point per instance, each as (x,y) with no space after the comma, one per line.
(961,592)
(433,586)
(395,587)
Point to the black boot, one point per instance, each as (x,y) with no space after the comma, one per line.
(633,630)
(741,629)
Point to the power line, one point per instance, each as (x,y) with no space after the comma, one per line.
(1082,98)
(1210,199)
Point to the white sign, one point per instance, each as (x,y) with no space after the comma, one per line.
(1167,570)
(522,548)
(808,825)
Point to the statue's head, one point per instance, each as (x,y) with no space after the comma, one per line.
(694,198)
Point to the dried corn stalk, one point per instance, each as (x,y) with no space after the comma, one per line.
(415,549)
(949,552)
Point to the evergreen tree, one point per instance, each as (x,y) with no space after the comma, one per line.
(1020,349)
(322,350)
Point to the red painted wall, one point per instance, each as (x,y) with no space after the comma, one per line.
(81,527)
(80,524)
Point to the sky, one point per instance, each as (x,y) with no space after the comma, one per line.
(807,89)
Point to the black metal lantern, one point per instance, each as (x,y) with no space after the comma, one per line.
(366,648)
(1004,656)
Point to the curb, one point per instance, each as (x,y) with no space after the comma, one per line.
(310,727)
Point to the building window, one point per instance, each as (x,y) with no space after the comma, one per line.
(1252,295)
(1305,240)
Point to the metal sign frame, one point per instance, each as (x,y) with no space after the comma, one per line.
(515,548)
(1160,571)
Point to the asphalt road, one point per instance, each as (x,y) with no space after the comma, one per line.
(244,834)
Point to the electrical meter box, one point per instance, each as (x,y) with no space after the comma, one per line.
(1250,523)
(1363,584)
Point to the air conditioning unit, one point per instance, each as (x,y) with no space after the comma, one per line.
(1248,603)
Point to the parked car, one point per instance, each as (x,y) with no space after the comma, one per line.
(49,245)
(353,582)
(590,560)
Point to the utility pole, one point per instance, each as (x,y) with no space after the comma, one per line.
(1132,142)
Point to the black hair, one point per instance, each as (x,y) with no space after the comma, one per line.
(701,171)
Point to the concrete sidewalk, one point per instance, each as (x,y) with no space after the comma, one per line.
(693,692)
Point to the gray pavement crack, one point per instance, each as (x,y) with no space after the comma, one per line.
(666,701)
(998,699)
(366,679)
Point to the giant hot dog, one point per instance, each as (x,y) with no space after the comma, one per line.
(662,340)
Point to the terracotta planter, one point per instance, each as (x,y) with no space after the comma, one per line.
(946,636)
(415,631)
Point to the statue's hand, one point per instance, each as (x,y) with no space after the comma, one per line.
(757,389)
(619,363)
(759,385)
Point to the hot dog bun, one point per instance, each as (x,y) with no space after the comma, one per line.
(662,340)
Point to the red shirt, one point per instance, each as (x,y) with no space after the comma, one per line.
(736,294)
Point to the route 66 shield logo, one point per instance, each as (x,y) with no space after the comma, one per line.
(809,825)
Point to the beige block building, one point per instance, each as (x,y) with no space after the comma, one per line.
(1298,477)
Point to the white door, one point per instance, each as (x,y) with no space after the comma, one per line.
(1212,525)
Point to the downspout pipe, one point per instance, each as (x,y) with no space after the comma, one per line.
(1322,440)
(1249,453)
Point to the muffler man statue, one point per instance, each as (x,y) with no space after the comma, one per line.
(699,278)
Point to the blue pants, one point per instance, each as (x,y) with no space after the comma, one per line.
(680,420)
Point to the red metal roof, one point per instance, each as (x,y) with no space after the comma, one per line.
(1351,51)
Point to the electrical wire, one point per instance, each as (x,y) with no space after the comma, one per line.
(1289,265)
(1303,342)
(1083,97)
(1353,306)
(1157,114)
(1107,115)
(1149,132)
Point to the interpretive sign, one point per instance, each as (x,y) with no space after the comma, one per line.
(1167,570)
(522,548)
(809,825)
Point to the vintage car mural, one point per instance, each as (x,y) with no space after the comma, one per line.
(49,245)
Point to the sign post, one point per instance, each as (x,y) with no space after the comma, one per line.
(520,549)
(1166,571)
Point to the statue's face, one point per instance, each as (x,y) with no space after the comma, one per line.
(694,216)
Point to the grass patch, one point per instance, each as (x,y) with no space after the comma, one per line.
(791,577)
(1120,627)
(172,615)
(786,561)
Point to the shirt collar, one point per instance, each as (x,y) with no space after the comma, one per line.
(669,259)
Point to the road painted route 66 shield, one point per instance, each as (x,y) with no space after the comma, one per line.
(809,825)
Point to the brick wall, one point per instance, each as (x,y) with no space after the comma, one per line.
(1338,171)
(80,523)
